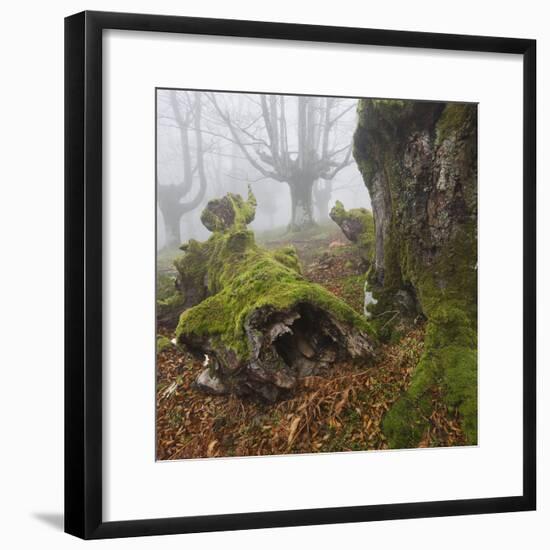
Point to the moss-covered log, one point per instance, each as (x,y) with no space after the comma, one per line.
(258,324)
(419,162)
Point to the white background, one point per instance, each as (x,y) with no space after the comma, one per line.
(32,286)
(133,64)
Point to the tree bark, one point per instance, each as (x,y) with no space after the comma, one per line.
(419,162)
(322,192)
(169,196)
(301,195)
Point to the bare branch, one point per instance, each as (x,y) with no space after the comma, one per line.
(226,118)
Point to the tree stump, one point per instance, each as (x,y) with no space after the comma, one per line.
(258,324)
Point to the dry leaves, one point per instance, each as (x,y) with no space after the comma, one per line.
(342,411)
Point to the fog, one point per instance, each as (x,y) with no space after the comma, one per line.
(293,151)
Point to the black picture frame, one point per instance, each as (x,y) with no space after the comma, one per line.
(83,273)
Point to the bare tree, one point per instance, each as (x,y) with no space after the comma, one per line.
(298,153)
(186,117)
(322,192)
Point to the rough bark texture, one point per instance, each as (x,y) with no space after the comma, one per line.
(419,162)
(256,322)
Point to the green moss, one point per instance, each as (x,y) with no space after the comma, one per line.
(165,286)
(454,117)
(229,212)
(363,218)
(453,368)
(287,256)
(442,274)
(352,291)
(163,343)
(171,306)
(248,280)
(191,265)
(448,292)
(393,278)
(170,301)
(243,277)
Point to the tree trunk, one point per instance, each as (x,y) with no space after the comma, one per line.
(322,210)
(172,225)
(419,163)
(168,199)
(301,195)
(322,192)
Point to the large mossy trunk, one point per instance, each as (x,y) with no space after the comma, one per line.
(419,162)
(257,324)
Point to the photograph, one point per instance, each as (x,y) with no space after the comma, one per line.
(316,263)
(291,268)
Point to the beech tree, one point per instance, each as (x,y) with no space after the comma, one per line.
(290,139)
(322,192)
(184,112)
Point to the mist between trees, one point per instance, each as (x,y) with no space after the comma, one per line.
(295,152)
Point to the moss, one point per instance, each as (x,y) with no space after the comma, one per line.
(361,222)
(170,301)
(450,367)
(248,280)
(190,266)
(454,117)
(448,293)
(163,343)
(353,285)
(352,291)
(171,306)
(393,279)
(165,286)
(229,212)
(243,277)
(288,256)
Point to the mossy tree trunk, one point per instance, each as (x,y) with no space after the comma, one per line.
(419,162)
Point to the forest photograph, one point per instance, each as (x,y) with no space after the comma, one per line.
(316,274)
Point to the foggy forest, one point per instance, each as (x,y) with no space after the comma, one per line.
(316,274)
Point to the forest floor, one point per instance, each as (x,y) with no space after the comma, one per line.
(342,411)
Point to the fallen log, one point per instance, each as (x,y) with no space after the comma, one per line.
(258,324)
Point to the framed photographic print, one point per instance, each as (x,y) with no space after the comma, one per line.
(290,292)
